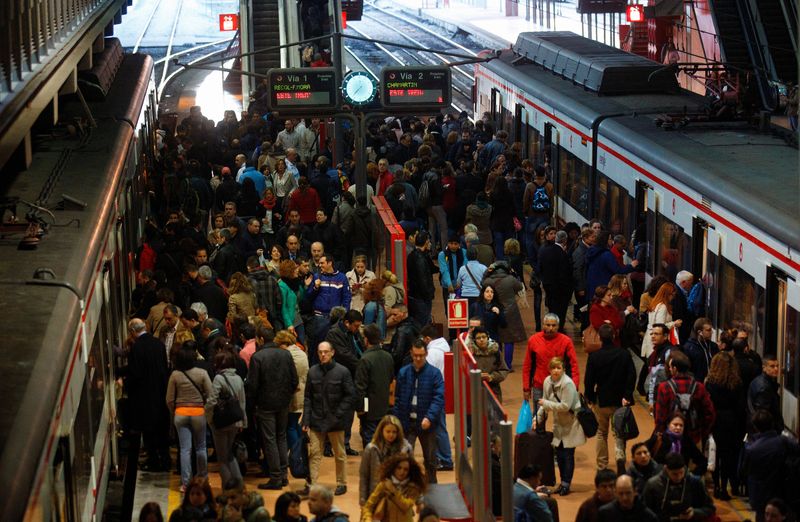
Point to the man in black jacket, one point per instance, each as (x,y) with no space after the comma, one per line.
(348,345)
(764,394)
(271,383)
(210,294)
(374,375)
(329,397)
(555,271)
(406,331)
(146,384)
(608,384)
(676,494)
(420,279)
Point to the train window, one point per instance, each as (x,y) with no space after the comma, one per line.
(791,370)
(738,299)
(535,144)
(674,247)
(613,206)
(573,185)
(506,120)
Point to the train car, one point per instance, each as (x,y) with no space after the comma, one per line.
(66,276)
(626,145)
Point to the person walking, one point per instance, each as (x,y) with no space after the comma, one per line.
(419,401)
(561,398)
(609,382)
(226,384)
(329,398)
(402,484)
(388,440)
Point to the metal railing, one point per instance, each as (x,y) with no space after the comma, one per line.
(476,404)
(31,30)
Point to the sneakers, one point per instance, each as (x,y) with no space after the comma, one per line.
(272,484)
(340,490)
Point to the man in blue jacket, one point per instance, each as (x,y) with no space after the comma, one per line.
(601,264)
(328,288)
(419,401)
(528,505)
(451,259)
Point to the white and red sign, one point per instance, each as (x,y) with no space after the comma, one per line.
(457,313)
(229,22)
(635,13)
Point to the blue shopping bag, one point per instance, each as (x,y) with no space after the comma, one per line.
(525,421)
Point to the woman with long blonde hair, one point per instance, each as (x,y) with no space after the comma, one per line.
(724,385)
(387,440)
(659,312)
(242,300)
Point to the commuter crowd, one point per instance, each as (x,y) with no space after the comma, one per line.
(263,327)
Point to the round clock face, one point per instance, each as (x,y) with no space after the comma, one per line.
(359,88)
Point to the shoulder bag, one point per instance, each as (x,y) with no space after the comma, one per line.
(196,387)
(227,410)
(591,340)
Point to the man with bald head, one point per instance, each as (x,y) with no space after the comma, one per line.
(627,506)
(146,383)
(329,399)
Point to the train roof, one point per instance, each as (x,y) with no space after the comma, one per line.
(750,173)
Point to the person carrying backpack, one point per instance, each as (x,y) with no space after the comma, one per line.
(686,395)
(538,204)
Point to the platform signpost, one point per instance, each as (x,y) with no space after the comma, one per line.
(417,88)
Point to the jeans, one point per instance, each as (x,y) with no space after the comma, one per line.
(420,310)
(293,430)
(499,243)
(437,220)
(508,353)
(428,440)
(604,416)
(229,472)
(272,426)
(367,430)
(192,429)
(443,452)
(565,457)
(531,224)
(336,439)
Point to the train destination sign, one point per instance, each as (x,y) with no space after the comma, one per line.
(412,87)
(298,89)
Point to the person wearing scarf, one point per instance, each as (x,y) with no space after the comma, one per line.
(675,439)
(400,489)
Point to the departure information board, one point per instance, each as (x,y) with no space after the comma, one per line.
(412,87)
(298,89)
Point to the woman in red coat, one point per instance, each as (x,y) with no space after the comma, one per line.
(603,311)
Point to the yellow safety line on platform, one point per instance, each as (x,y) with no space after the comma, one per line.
(174,498)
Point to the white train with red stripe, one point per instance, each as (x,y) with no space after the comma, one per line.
(720,198)
(65,302)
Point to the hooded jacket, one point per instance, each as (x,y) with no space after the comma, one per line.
(600,266)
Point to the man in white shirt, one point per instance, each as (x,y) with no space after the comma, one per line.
(291,160)
(437,347)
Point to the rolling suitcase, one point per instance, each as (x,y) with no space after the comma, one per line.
(535,447)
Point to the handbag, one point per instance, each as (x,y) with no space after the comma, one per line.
(227,410)
(379,513)
(591,340)
(624,422)
(298,458)
(587,419)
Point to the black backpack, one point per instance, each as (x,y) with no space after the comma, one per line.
(227,410)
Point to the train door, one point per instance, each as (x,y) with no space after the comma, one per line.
(705,263)
(551,153)
(497,110)
(646,212)
(780,339)
(521,127)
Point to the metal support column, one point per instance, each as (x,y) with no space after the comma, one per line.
(479,447)
(507,467)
